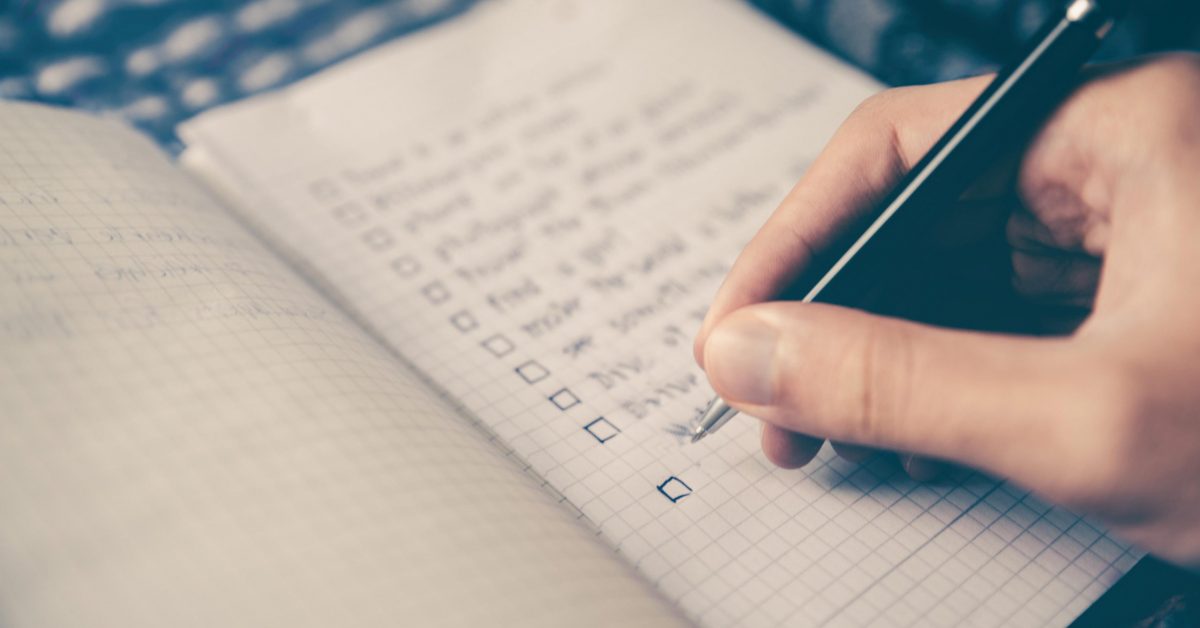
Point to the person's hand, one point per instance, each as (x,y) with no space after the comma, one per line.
(1098,222)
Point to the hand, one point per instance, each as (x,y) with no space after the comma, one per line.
(1098,223)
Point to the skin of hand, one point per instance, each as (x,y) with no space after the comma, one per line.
(1092,234)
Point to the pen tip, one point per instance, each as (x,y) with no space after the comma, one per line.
(699,434)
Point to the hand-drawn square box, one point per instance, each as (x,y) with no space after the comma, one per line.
(406,266)
(325,190)
(564,399)
(498,345)
(532,372)
(674,489)
(436,293)
(350,214)
(601,429)
(378,239)
(464,321)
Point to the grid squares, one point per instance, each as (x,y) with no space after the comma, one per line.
(892,532)
(245,360)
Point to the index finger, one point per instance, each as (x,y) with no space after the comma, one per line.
(867,156)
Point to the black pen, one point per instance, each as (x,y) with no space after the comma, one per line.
(1011,109)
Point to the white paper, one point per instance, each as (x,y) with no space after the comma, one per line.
(190,435)
(534,205)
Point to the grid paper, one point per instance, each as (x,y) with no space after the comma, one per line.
(191,436)
(539,229)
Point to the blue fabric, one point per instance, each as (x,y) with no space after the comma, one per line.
(905,42)
(156,62)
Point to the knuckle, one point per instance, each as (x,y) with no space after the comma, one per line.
(874,106)
(877,111)
(835,384)
(876,398)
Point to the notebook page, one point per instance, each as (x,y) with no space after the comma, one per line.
(191,436)
(534,204)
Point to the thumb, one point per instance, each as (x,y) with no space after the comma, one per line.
(984,400)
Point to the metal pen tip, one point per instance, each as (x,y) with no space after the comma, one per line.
(715,415)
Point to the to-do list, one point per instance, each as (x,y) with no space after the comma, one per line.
(538,226)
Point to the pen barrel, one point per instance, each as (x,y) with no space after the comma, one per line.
(1004,117)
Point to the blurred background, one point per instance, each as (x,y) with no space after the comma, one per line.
(156,62)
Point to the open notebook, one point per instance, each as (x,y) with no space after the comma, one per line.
(427,362)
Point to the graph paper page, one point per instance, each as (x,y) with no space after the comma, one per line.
(191,436)
(534,205)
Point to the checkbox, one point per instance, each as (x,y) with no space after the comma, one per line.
(674,489)
(532,372)
(406,266)
(325,190)
(564,399)
(436,293)
(464,321)
(498,345)
(350,214)
(601,429)
(378,239)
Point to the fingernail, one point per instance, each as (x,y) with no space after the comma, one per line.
(920,469)
(739,356)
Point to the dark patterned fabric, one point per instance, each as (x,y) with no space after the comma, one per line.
(905,42)
(156,62)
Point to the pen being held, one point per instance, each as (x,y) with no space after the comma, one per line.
(1005,115)
(1090,402)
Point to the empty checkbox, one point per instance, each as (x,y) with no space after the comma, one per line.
(378,239)
(674,489)
(532,372)
(436,293)
(464,321)
(325,190)
(406,266)
(564,399)
(601,429)
(498,345)
(350,214)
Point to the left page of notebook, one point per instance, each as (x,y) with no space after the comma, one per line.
(192,435)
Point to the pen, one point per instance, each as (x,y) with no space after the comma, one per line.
(1010,109)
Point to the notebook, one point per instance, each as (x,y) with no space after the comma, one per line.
(408,343)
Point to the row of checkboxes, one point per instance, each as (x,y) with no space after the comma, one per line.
(530,371)
(600,428)
(352,215)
